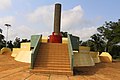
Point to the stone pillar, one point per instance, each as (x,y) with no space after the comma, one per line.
(57,18)
(56,36)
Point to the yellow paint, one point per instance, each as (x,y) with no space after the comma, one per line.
(81,59)
(5,50)
(84,49)
(105,57)
(25,46)
(24,56)
(64,40)
(44,39)
(15,52)
(95,56)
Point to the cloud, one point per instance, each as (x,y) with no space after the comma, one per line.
(72,17)
(41,18)
(25,30)
(84,33)
(21,31)
(18,29)
(72,21)
(43,15)
(4,4)
(7,19)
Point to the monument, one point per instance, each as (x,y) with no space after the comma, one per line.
(56,36)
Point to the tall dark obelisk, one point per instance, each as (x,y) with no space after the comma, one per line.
(57,18)
(56,36)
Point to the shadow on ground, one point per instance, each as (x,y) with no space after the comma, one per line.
(91,70)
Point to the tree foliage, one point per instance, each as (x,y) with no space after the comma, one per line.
(2,41)
(10,45)
(16,43)
(106,39)
(64,34)
(25,40)
(0,30)
(110,33)
(96,43)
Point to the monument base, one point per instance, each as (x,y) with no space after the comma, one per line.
(55,38)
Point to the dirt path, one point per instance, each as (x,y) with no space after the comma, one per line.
(11,69)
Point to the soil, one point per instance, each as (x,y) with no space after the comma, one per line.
(13,70)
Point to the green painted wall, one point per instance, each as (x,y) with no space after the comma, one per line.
(34,39)
(74,42)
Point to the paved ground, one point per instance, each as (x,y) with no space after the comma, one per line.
(13,70)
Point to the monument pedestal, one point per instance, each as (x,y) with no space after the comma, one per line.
(55,38)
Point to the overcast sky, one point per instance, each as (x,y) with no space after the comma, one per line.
(79,17)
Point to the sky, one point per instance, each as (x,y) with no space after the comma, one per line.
(34,17)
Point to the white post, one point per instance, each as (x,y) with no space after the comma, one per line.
(6,36)
(7,25)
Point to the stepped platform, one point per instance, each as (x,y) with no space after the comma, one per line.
(53,58)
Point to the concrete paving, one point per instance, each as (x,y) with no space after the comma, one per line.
(13,70)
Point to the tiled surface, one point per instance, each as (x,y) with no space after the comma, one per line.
(38,77)
(12,70)
(17,76)
(58,77)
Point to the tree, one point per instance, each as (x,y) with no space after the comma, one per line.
(1,36)
(16,43)
(84,43)
(25,40)
(10,45)
(0,30)
(64,34)
(1,39)
(110,33)
(80,42)
(96,43)
(116,51)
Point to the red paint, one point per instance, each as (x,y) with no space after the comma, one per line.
(55,38)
